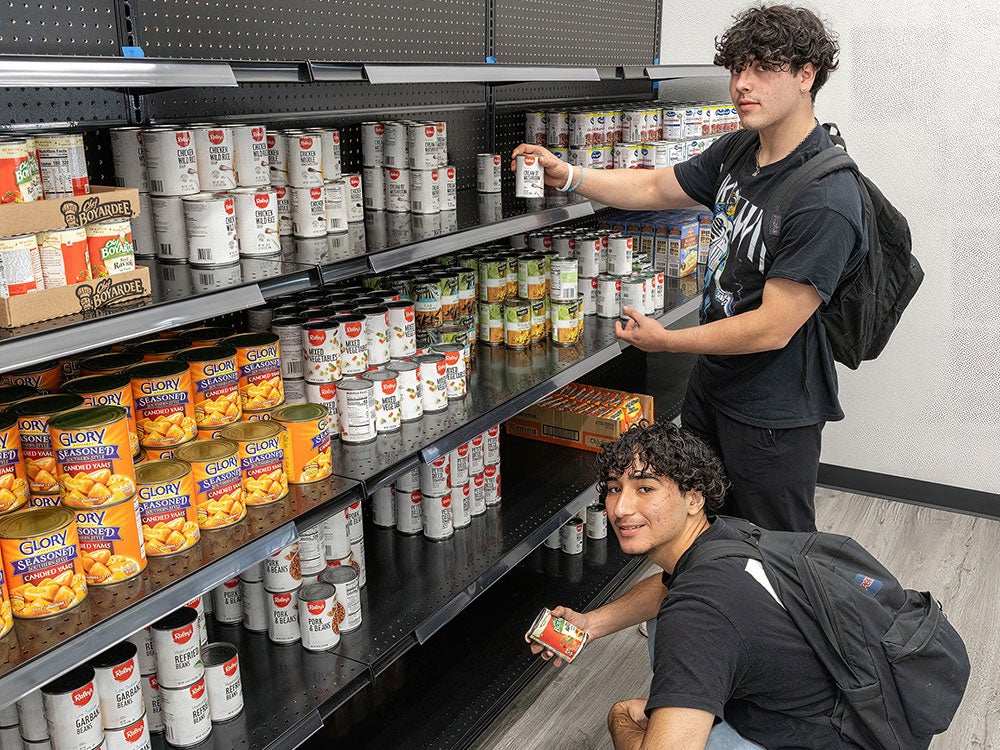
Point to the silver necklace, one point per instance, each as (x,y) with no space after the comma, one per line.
(756,156)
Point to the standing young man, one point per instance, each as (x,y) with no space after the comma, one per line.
(765,383)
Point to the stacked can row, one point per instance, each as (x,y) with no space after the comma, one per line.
(569,537)
(42,166)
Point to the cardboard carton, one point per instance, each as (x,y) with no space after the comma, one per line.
(76,211)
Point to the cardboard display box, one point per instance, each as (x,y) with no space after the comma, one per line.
(582,416)
(75,211)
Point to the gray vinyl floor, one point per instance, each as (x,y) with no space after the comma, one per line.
(955,556)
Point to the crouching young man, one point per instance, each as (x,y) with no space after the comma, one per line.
(730,669)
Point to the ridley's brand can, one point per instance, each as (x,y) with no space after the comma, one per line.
(374,184)
(227,603)
(529,180)
(222,679)
(454,360)
(336,209)
(402,329)
(277,158)
(491,450)
(383,501)
(214,151)
(142,639)
(252,598)
(424,194)
(283,569)
(119,685)
(164,403)
(210,227)
(33,415)
(283,616)
(408,382)
(488,172)
(492,476)
(261,460)
(597,521)
(319,616)
(305,160)
(111,546)
(478,504)
(29,713)
(250,155)
(215,384)
(433,375)
(345,580)
(326,395)
(376,333)
(422,145)
(308,211)
(133,737)
(177,644)
(168,228)
(152,702)
(357,410)
(353,338)
(218,486)
(435,477)
(166,506)
(437,517)
(186,714)
(108,390)
(388,414)
(409,511)
(13,480)
(620,251)
(305,441)
(372,143)
(571,536)
(609,296)
(258,359)
(171,162)
(41,562)
(257,221)
(73,711)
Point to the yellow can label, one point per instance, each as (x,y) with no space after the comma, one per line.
(307,450)
(164,410)
(13,481)
(263,470)
(169,518)
(111,547)
(44,573)
(260,376)
(218,492)
(117,397)
(6,615)
(216,392)
(94,466)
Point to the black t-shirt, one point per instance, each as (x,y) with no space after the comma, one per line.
(725,646)
(821,235)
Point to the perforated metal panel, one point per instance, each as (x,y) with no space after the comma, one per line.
(576,91)
(48,107)
(575,32)
(321,30)
(58,27)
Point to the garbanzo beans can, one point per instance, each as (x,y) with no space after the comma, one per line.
(164,403)
(261,460)
(305,440)
(166,506)
(41,562)
(258,361)
(108,390)
(13,480)
(93,456)
(46,377)
(33,416)
(111,546)
(218,486)
(215,381)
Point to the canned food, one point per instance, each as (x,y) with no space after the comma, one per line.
(261,461)
(375,186)
(33,415)
(277,158)
(171,162)
(305,160)
(388,413)
(529,179)
(17,172)
(283,569)
(64,256)
(214,152)
(177,645)
(353,338)
(478,482)
(319,617)
(29,713)
(108,390)
(609,296)
(251,160)
(222,680)
(357,409)
(424,192)
(10,394)
(308,211)
(227,602)
(166,506)
(337,535)
(336,209)
(620,255)
(21,271)
(305,441)
(257,221)
(402,332)
(408,383)
(198,605)
(215,383)
(253,598)
(597,521)
(488,173)
(540,322)
(564,280)
(111,545)
(455,369)
(332,162)
(186,714)
(46,378)
(164,407)
(283,616)
(435,476)
(557,635)
(571,536)
(345,580)
(409,511)
(461,505)
(210,229)
(491,323)
(384,506)
(258,359)
(553,541)
(427,292)
(433,376)
(13,480)
(422,145)
(73,711)
(133,737)
(119,686)
(565,322)
(215,468)
(437,520)
(372,143)
(531,276)
(376,333)
(354,198)
(63,164)
(109,247)
(491,474)
(517,323)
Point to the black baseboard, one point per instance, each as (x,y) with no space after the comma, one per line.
(914,491)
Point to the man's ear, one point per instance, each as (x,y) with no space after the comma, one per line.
(806,76)
(695,502)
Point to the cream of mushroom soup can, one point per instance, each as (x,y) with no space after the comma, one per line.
(409,512)
(135,736)
(308,210)
(394,145)
(356,408)
(397,189)
(318,616)
(488,173)
(222,680)
(210,228)
(178,648)
(305,160)
(227,602)
(119,685)
(372,144)
(186,714)
(422,145)
(388,412)
(277,159)
(424,194)
(151,700)
(437,520)
(588,295)
(633,294)
(73,710)
(171,162)
(346,581)
(410,389)
(620,255)
(448,179)
(251,158)
(214,149)
(257,221)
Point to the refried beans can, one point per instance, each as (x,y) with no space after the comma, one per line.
(33,415)
(151,699)
(218,485)
(164,403)
(166,506)
(186,713)
(171,162)
(345,580)
(108,390)
(13,479)
(73,711)
(222,678)
(261,460)
(119,685)
(177,644)
(109,247)
(93,454)
(215,384)
(64,256)
(133,737)
(227,602)
(283,616)
(142,639)
(319,616)
(111,545)
(305,441)
(258,359)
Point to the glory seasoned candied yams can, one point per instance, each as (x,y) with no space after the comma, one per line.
(13,480)
(258,361)
(111,545)
(108,390)
(261,460)
(218,486)
(215,384)
(305,440)
(33,416)
(93,456)
(164,403)
(166,506)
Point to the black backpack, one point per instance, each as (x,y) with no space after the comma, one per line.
(900,667)
(871,295)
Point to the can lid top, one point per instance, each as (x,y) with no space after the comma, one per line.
(162,369)
(164,470)
(206,450)
(72,680)
(204,353)
(203,333)
(37,522)
(117,654)
(305,412)
(338,574)
(429,358)
(383,374)
(159,346)
(51,404)
(92,416)
(176,619)
(96,383)
(316,591)
(251,339)
(216,653)
(347,384)
(402,365)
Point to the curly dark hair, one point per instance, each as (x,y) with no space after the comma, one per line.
(665,450)
(779,37)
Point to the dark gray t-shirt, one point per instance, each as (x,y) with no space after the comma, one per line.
(820,237)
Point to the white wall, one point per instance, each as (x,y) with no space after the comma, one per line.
(917,96)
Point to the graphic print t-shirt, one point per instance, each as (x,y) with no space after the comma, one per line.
(820,236)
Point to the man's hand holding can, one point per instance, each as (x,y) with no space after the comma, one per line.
(556,170)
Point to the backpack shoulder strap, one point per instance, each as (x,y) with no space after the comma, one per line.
(741,144)
(826,162)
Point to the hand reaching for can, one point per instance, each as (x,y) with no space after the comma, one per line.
(556,170)
(578,619)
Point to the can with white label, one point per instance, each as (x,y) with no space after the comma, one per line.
(409,512)
(374,183)
(402,329)
(356,407)
(145,653)
(210,228)
(455,369)
(588,295)
(198,605)
(253,597)
(305,160)
(491,451)
(171,162)
(129,158)
(337,535)
(394,152)
(151,700)
(29,714)
(422,145)
(178,648)
(461,505)
(388,413)
(376,333)
(488,173)
(73,711)
(564,280)
(336,210)
(535,128)
(257,221)
(424,194)
(254,573)
(397,189)
(214,148)
(308,206)
(571,536)
(433,376)
(478,500)
(633,295)
(372,144)
(283,616)
(133,737)
(186,715)
(384,507)
(588,253)
(222,679)
(227,602)
(448,180)
(492,484)
(284,210)
(477,454)
(609,296)
(63,164)
(354,198)
(458,462)
(325,394)
(277,158)
(251,158)
(319,617)
(557,128)
(321,351)
(529,179)
(435,476)
(410,389)
(332,161)
(437,521)
(620,255)
(119,685)
(597,521)
(282,569)
(553,540)
(346,580)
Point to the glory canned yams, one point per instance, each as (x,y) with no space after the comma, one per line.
(93,456)
(6,615)
(215,381)
(215,467)
(13,481)
(305,442)
(166,506)
(33,416)
(41,563)
(46,377)
(261,460)
(258,361)
(164,403)
(108,390)
(111,545)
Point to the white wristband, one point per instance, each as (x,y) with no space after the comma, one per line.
(569,180)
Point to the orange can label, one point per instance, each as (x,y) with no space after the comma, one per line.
(48,380)
(39,461)
(218,492)
(109,245)
(164,410)
(94,464)
(169,518)
(13,481)
(159,454)
(111,546)
(257,416)
(15,173)
(65,257)
(260,376)
(44,573)
(262,466)
(6,615)
(216,392)
(307,450)
(117,397)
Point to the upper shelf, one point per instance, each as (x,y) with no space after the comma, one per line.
(113,72)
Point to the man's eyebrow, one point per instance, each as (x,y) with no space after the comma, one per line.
(644,475)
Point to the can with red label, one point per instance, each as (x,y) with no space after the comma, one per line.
(374,189)
(152,702)
(488,173)
(277,158)
(492,484)
(346,581)
(73,711)
(354,197)
(461,505)
(491,452)
(171,161)
(283,616)
(257,221)
(119,685)
(454,359)
(282,569)
(305,160)
(210,228)
(63,164)
(222,679)
(396,183)
(437,521)
(424,195)
(133,737)
(477,454)
(214,149)
(177,644)
(372,144)
(353,339)
(402,329)
(64,256)
(409,512)
(284,195)
(388,413)
(186,714)
(319,616)
(478,502)
(308,211)
(227,603)
(251,160)
(435,476)
(129,158)
(321,351)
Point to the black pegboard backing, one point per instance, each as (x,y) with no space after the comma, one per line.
(100,165)
(575,32)
(450,31)
(58,27)
(47,108)
(581,91)
(273,102)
